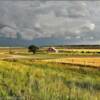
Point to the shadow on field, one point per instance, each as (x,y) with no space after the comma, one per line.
(83,85)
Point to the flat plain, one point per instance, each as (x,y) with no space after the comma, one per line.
(70,74)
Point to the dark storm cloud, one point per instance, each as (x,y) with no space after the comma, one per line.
(68,19)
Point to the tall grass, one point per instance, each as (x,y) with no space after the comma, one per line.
(27,80)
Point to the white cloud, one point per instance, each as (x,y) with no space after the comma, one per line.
(91,38)
(8,32)
(78,37)
(92,26)
(68,38)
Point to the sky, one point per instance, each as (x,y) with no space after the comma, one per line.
(70,20)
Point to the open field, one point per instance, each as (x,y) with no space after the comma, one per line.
(49,76)
(84,57)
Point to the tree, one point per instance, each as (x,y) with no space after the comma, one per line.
(33,49)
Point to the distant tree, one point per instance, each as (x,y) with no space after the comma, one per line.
(33,49)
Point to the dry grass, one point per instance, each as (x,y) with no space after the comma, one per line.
(92,50)
(41,81)
(93,61)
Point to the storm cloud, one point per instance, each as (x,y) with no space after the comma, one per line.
(37,19)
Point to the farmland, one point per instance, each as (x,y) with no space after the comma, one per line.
(71,74)
(85,61)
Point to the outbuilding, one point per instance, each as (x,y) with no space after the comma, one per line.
(52,49)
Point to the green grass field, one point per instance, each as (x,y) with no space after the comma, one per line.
(32,79)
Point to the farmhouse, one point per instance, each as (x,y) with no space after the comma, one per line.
(52,49)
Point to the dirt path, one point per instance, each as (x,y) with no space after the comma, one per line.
(16,57)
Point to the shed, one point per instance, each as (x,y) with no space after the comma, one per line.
(52,49)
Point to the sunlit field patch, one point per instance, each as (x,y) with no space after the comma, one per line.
(92,61)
